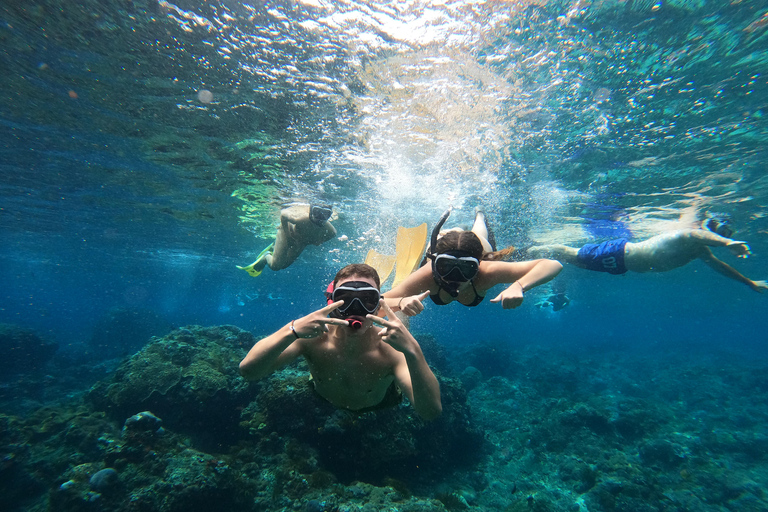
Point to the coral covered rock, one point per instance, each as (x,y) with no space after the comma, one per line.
(189,378)
(391,442)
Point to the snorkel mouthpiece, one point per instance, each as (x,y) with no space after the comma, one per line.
(355,323)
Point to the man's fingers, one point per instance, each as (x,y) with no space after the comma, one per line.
(377,320)
(423,295)
(386,307)
(330,307)
(333,321)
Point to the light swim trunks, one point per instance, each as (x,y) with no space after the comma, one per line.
(605,257)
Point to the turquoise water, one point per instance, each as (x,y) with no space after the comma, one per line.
(147,148)
(565,122)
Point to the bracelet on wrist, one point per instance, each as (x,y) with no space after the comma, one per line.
(522,288)
(293,330)
(398,303)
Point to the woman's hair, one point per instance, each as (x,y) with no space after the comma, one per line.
(357,269)
(469,243)
(465,241)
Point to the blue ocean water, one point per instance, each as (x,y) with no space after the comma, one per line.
(148,147)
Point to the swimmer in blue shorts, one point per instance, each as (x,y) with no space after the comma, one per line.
(658,254)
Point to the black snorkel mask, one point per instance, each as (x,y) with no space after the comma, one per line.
(720,227)
(318,214)
(453,268)
(360,299)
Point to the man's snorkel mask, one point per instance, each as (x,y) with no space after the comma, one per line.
(451,268)
(360,299)
(720,225)
(318,214)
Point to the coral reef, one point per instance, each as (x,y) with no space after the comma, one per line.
(189,378)
(175,428)
(405,446)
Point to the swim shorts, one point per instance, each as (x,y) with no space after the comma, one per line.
(605,257)
(392,398)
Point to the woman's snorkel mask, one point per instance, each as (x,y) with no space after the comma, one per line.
(360,299)
(451,268)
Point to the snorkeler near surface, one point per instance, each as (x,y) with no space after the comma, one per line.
(354,365)
(660,253)
(300,225)
(464,267)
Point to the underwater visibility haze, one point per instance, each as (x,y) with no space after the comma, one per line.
(149,146)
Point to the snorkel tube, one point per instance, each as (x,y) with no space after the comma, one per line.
(435,233)
(451,288)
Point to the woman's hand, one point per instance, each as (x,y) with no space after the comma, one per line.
(511,297)
(412,305)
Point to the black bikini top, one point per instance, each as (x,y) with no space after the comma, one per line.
(439,302)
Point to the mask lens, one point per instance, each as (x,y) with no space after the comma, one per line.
(453,268)
(359,298)
(319,214)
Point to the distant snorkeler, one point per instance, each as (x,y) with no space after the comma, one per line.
(300,225)
(658,254)
(464,266)
(557,299)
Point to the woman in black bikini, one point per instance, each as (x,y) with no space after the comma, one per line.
(462,271)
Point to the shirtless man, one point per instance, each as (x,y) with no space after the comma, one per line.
(353,364)
(300,225)
(658,254)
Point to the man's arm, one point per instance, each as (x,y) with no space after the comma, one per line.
(284,346)
(424,392)
(271,353)
(728,271)
(414,377)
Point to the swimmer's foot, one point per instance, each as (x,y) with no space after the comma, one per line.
(255,268)
(740,249)
(759,286)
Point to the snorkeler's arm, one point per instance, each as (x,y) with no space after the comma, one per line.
(409,294)
(271,353)
(410,306)
(523,275)
(728,271)
(295,214)
(416,380)
(413,375)
(285,345)
(416,283)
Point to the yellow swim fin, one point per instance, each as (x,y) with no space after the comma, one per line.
(251,268)
(411,243)
(383,263)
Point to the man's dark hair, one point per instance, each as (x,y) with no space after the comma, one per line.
(357,269)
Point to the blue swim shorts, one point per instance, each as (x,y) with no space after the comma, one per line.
(605,257)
